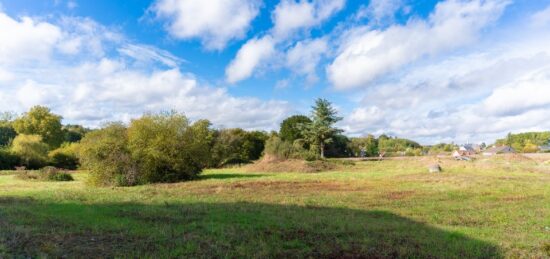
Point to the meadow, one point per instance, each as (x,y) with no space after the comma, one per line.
(495,207)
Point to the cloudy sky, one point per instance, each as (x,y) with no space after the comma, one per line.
(433,71)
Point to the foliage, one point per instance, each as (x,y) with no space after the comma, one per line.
(105,153)
(8,160)
(291,127)
(368,145)
(278,148)
(527,142)
(7,134)
(154,148)
(48,173)
(33,153)
(321,130)
(65,157)
(441,147)
(394,145)
(236,146)
(166,148)
(41,121)
(338,147)
(74,133)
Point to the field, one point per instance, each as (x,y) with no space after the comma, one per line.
(490,208)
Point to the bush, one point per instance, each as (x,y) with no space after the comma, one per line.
(154,148)
(48,173)
(281,149)
(31,151)
(65,157)
(105,153)
(236,146)
(8,160)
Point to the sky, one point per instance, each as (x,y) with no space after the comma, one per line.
(463,71)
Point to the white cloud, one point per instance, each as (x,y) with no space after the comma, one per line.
(290,16)
(476,96)
(304,57)
(527,93)
(115,80)
(249,57)
(541,18)
(147,54)
(26,39)
(366,54)
(214,22)
(379,10)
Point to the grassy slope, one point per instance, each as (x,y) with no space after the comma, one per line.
(373,209)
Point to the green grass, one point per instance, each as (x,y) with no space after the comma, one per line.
(486,209)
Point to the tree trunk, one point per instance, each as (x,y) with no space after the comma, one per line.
(322,150)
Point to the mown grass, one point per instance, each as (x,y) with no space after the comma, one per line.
(383,209)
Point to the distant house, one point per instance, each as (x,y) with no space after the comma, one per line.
(465,150)
(545,148)
(499,150)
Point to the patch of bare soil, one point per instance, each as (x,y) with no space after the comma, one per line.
(275,165)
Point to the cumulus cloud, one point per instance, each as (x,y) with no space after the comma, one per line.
(289,17)
(214,22)
(251,54)
(477,96)
(367,54)
(304,57)
(119,82)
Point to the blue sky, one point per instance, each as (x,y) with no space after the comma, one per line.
(433,71)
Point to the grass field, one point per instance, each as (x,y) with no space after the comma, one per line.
(490,208)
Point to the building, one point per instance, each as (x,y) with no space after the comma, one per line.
(544,148)
(465,150)
(499,150)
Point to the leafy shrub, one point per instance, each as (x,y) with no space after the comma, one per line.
(65,157)
(236,146)
(281,149)
(105,153)
(48,173)
(154,148)
(31,150)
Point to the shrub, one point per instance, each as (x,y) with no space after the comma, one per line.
(154,148)
(236,146)
(281,149)
(105,153)
(65,157)
(48,173)
(31,150)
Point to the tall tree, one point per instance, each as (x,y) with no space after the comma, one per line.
(41,121)
(321,130)
(291,127)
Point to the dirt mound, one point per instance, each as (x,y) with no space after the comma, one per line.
(273,164)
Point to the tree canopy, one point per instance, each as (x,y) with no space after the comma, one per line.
(321,130)
(41,121)
(291,127)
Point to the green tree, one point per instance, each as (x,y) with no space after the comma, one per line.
(7,134)
(321,130)
(74,133)
(41,121)
(291,127)
(31,150)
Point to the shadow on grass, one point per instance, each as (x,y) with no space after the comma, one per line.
(30,228)
(228,176)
